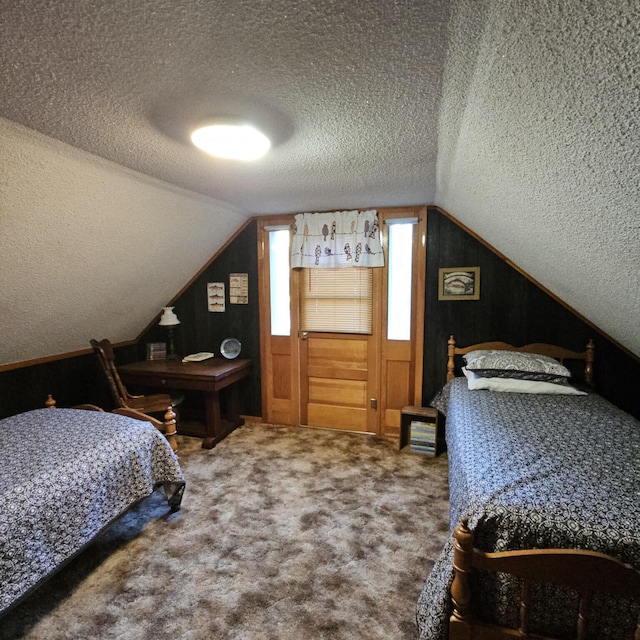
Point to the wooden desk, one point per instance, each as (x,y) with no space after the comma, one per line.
(210,377)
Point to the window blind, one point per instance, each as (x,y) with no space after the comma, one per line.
(337,300)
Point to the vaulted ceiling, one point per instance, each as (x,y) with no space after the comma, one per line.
(520,119)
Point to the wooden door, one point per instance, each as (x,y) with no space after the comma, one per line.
(338,381)
(343,381)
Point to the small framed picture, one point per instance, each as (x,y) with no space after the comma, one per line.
(215,297)
(459,283)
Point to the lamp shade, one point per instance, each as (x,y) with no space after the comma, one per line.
(168,317)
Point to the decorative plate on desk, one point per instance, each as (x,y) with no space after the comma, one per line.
(230,348)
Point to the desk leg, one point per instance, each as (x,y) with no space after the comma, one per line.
(219,427)
(213,420)
(233,406)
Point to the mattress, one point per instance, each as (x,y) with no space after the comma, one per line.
(66,475)
(537,471)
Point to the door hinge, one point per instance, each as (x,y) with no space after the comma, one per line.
(374,403)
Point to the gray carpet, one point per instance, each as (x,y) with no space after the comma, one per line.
(284,533)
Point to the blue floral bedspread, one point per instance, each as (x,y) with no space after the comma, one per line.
(65,475)
(538,471)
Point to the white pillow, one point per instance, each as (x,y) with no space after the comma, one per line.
(496,363)
(514,385)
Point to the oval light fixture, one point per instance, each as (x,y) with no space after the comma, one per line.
(232,140)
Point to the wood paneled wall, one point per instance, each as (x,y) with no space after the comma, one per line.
(511,308)
(71,381)
(204,330)
(77,380)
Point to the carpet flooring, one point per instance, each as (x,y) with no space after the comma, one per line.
(284,533)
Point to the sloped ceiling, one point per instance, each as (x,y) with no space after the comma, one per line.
(520,119)
(539,146)
(88,249)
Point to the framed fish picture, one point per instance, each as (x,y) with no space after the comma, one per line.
(215,297)
(459,283)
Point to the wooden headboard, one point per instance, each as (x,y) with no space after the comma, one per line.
(559,353)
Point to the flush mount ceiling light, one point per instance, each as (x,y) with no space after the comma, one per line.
(233,140)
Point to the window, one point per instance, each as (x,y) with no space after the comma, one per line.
(399,287)
(279,282)
(337,300)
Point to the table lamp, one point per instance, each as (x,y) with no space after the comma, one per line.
(170,320)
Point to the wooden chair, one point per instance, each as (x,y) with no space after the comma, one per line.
(586,572)
(155,403)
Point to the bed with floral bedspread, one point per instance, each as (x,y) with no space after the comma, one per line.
(66,475)
(533,470)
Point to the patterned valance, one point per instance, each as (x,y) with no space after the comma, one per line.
(337,239)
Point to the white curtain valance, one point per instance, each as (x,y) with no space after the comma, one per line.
(337,239)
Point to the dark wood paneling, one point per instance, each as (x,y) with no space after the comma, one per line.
(511,308)
(78,380)
(71,381)
(203,330)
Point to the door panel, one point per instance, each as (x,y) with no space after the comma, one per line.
(397,375)
(341,418)
(335,391)
(334,381)
(281,376)
(397,387)
(280,381)
(325,351)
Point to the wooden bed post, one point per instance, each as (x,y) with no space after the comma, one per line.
(451,349)
(167,427)
(50,403)
(170,430)
(462,552)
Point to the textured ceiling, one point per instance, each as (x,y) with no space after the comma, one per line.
(334,82)
(520,119)
(539,146)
